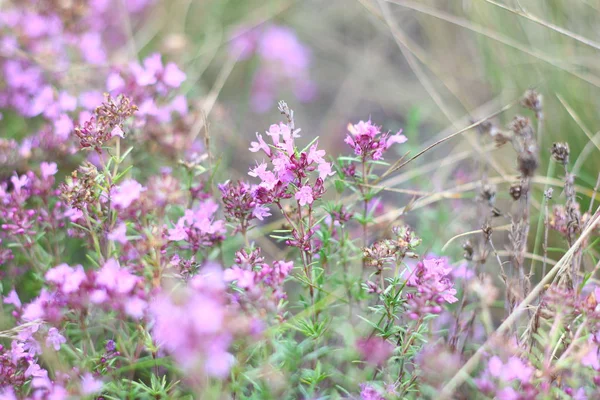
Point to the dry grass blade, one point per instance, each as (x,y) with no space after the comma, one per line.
(471,126)
(453,238)
(545,24)
(578,120)
(460,377)
(433,12)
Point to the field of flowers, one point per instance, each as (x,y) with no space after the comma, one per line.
(171,229)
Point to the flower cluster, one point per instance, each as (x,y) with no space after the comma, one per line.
(106,123)
(112,287)
(291,167)
(240,204)
(261,282)
(433,287)
(194,325)
(198,228)
(498,378)
(41,43)
(368,142)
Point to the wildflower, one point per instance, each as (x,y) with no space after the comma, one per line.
(430,278)
(55,339)
(374,350)
(560,153)
(368,142)
(13,298)
(90,385)
(368,392)
(119,234)
(304,195)
(107,121)
(114,278)
(69,279)
(241,205)
(48,169)
(126,193)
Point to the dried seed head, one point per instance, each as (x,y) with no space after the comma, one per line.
(560,152)
(521,126)
(468,248)
(484,128)
(487,192)
(527,163)
(515,190)
(501,138)
(532,100)
(486,229)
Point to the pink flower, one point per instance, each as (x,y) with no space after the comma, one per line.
(119,234)
(260,145)
(243,278)
(178,232)
(375,350)
(48,169)
(117,131)
(135,307)
(260,212)
(67,278)
(13,298)
(325,170)
(126,193)
(90,385)
(315,155)
(115,278)
(591,358)
(173,76)
(305,195)
(55,339)
(114,82)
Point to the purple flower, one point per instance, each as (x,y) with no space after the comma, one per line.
(368,392)
(305,195)
(119,234)
(115,278)
(90,385)
(375,350)
(55,339)
(13,298)
(368,142)
(69,279)
(126,193)
(48,169)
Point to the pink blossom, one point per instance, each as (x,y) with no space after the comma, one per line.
(55,339)
(325,170)
(135,307)
(48,169)
(260,145)
(126,193)
(173,76)
(305,195)
(591,358)
(68,278)
(115,278)
(243,278)
(119,234)
(90,385)
(13,298)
